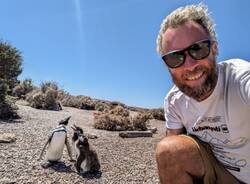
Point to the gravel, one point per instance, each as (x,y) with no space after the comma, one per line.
(123,161)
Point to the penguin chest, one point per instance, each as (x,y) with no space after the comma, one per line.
(55,148)
(77,151)
(84,165)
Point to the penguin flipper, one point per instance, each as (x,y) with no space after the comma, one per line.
(48,141)
(68,149)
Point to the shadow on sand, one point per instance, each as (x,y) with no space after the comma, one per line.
(61,167)
(91,175)
(5,121)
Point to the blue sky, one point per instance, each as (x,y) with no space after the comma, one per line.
(106,48)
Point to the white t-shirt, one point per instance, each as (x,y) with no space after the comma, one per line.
(222,120)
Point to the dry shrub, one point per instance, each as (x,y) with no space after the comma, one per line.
(86,102)
(139,121)
(45,97)
(70,101)
(120,111)
(62,94)
(118,119)
(45,86)
(102,106)
(50,99)
(36,99)
(157,114)
(81,102)
(112,122)
(22,89)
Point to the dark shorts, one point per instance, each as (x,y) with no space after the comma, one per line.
(215,173)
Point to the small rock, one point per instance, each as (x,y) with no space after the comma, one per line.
(7,138)
(134,134)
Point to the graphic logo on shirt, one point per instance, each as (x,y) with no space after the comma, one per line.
(222,128)
(210,125)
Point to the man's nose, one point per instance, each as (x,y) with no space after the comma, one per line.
(189,61)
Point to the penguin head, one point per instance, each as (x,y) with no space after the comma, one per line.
(64,121)
(82,142)
(78,132)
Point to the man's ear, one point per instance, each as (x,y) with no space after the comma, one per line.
(214,48)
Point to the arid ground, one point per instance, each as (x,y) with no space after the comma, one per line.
(123,160)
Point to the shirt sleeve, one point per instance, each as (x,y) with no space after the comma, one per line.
(173,119)
(244,81)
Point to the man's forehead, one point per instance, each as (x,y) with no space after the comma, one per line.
(182,36)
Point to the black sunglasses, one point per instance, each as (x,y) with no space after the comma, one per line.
(199,50)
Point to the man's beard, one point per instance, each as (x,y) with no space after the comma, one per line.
(201,92)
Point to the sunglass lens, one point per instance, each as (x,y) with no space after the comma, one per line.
(174,60)
(200,50)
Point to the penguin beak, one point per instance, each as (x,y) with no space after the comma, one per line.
(73,128)
(65,121)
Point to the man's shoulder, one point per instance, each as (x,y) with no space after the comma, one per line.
(175,95)
(234,64)
(235,68)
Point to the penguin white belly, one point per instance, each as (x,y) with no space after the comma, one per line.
(55,148)
(77,152)
(84,166)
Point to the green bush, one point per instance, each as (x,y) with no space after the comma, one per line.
(10,64)
(8,109)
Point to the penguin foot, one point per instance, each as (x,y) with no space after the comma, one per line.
(46,165)
(72,160)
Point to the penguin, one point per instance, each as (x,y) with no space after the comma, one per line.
(86,157)
(56,142)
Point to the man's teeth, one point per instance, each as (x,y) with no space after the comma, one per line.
(195,77)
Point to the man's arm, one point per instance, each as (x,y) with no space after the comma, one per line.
(170,132)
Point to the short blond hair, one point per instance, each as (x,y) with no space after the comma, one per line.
(197,13)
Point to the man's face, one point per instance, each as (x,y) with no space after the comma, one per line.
(195,78)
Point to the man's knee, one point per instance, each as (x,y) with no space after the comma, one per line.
(166,147)
(174,145)
(180,152)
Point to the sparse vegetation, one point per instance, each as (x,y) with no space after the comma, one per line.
(157,114)
(23,88)
(102,106)
(120,111)
(118,119)
(45,97)
(139,121)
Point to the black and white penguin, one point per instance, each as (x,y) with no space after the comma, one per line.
(56,142)
(86,157)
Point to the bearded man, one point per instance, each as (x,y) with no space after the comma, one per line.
(208,109)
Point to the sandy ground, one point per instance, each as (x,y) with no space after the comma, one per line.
(123,161)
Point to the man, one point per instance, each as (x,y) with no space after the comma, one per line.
(210,102)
